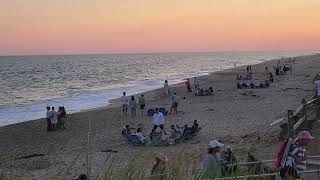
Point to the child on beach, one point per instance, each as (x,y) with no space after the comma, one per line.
(142,103)
(125,103)
(133,106)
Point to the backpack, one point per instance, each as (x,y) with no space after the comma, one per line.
(283,154)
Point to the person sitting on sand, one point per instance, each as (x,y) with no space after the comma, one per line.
(133,106)
(267,84)
(54,118)
(125,103)
(212,164)
(140,136)
(210,91)
(244,85)
(173,132)
(48,119)
(252,85)
(158,120)
(159,168)
(239,86)
(175,102)
(195,127)
(186,132)
(142,103)
(126,130)
(201,93)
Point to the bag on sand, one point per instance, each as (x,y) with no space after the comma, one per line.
(283,154)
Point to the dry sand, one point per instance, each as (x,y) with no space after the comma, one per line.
(234,116)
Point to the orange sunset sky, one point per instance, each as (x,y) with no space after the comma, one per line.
(131,26)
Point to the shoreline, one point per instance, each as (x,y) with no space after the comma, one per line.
(113,103)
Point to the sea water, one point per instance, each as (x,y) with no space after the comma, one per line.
(79,82)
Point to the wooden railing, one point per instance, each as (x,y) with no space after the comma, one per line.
(300,119)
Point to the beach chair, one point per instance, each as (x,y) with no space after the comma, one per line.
(150,112)
(156,139)
(163,111)
(134,140)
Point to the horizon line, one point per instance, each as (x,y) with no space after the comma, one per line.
(165,52)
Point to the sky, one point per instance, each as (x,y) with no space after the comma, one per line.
(138,26)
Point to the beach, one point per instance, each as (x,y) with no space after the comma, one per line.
(234,116)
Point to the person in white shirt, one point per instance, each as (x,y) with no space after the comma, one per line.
(48,119)
(158,120)
(175,102)
(166,87)
(125,103)
(54,118)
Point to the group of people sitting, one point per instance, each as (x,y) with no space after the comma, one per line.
(204,92)
(252,85)
(176,134)
(282,70)
(247,77)
(56,119)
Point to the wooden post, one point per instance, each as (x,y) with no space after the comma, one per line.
(290,131)
(304,125)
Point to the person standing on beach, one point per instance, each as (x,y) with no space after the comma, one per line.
(142,104)
(166,87)
(125,103)
(213,163)
(188,85)
(158,120)
(297,157)
(54,119)
(196,83)
(48,118)
(175,102)
(133,106)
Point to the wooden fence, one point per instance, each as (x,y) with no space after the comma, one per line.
(300,119)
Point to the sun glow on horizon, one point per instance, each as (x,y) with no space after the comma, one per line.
(109,26)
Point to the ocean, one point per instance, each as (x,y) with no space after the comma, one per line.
(80,82)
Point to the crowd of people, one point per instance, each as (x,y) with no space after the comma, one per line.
(220,161)
(160,136)
(56,119)
(218,158)
(132,104)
